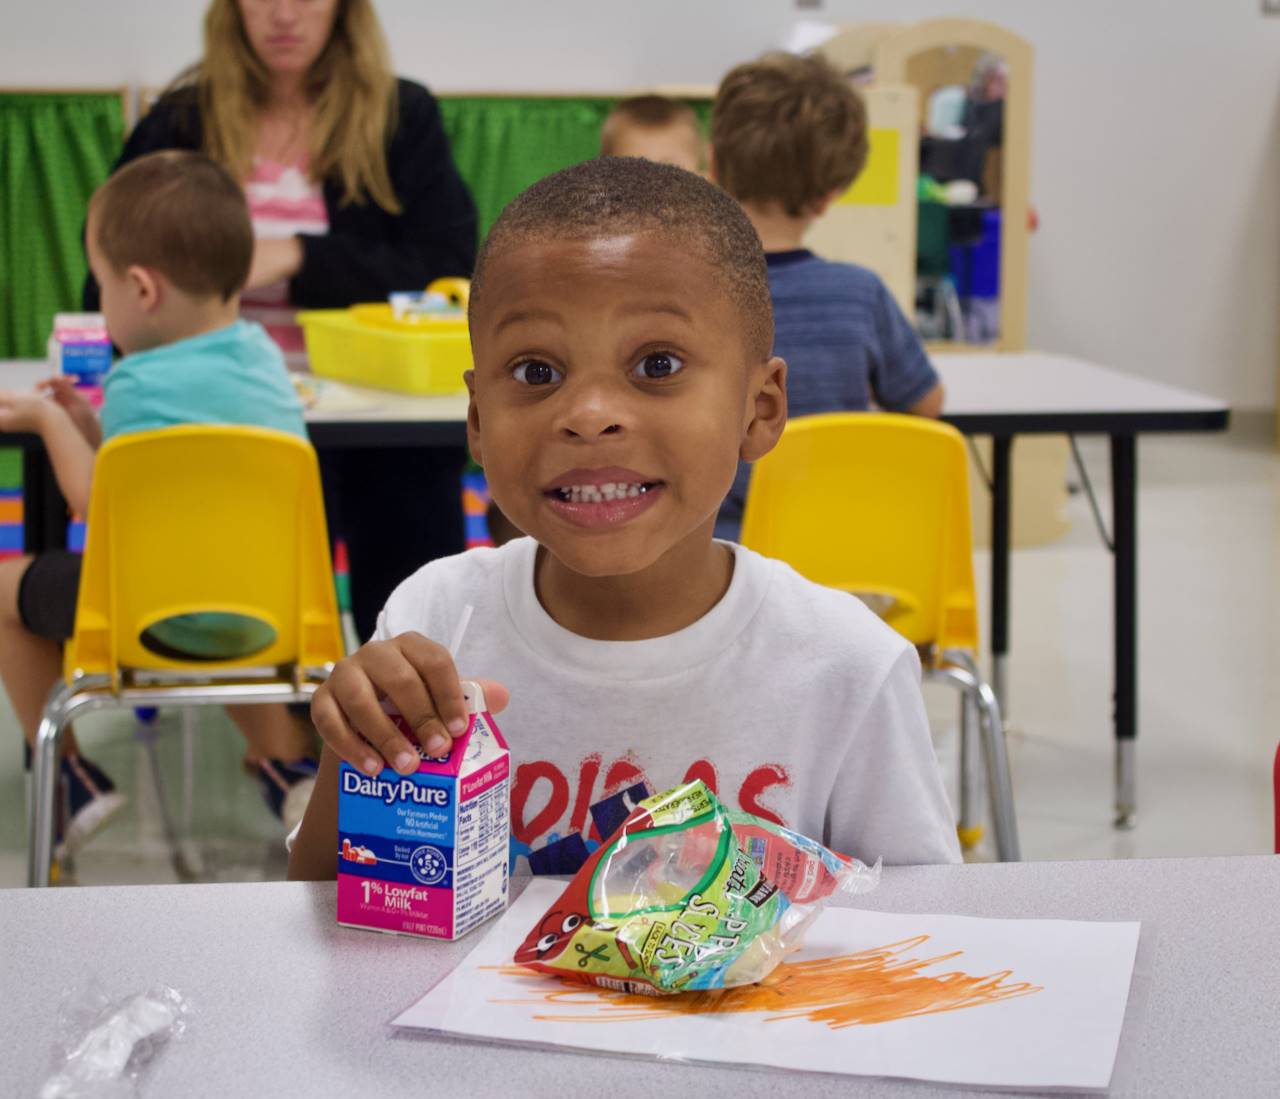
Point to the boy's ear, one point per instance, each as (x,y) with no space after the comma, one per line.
(145,286)
(768,414)
(473,418)
(713,173)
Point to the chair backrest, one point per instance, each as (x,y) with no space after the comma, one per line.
(874,503)
(211,522)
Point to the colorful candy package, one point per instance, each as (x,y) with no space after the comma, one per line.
(688,895)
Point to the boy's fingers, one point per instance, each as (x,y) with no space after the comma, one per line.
(355,694)
(339,737)
(396,677)
(435,666)
(496,696)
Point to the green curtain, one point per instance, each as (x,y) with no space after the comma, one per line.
(54,150)
(504,143)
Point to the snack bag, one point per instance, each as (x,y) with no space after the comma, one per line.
(687,895)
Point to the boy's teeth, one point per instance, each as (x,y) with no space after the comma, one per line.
(596,494)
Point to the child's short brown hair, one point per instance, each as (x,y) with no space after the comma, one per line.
(646,112)
(616,196)
(181,214)
(787,129)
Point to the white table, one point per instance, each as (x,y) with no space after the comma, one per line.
(288,1003)
(342,416)
(1056,393)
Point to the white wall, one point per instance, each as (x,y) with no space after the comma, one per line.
(1156,135)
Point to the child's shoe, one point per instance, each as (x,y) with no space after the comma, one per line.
(287,788)
(89,801)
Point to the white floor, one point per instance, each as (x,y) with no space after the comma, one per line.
(1209,603)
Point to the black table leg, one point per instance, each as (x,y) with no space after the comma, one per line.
(1124,475)
(1001,486)
(44,512)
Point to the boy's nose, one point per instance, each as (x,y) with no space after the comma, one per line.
(590,415)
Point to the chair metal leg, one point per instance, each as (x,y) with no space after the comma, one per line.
(96,691)
(177,851)
(969,828)
(999,783)
(64,702)
(188,766)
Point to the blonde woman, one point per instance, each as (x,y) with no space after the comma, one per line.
(353,194)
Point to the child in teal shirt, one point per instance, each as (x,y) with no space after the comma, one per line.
(170,244)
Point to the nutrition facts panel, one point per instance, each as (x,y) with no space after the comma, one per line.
(480,855)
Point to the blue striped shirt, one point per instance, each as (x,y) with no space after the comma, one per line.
(846,343)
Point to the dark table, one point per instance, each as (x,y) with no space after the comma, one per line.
(1005,395)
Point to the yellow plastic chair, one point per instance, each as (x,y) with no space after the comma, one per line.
(878,505)
(218,522)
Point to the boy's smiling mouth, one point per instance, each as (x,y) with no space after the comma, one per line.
(602,497)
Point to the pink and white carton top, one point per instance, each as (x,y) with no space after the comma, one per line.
(80,328)
(480,745)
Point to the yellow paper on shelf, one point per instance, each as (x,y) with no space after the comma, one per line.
(877,184)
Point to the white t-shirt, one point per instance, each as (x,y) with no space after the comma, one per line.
(793,701)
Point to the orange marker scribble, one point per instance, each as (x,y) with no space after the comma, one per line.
(872,986)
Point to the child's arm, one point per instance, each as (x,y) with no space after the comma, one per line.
(903,379)
(70,453)
(63,390)
(418,676)
(930,404)
(314,856)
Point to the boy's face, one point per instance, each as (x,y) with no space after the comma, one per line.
(677,144)
(612,395)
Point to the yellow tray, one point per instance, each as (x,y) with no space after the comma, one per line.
(366,345)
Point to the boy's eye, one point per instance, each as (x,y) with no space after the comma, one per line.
(536,372)
(657,364)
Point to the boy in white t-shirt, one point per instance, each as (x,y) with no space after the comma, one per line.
(621,326)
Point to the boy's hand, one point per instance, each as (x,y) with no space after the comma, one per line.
(419,678)
(23,411)
(62,390)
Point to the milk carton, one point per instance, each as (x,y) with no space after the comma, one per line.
(80,348)
(427,853)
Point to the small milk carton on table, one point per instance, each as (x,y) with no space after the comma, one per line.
(80,348)
(427,853)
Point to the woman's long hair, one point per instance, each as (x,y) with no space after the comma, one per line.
(351,87)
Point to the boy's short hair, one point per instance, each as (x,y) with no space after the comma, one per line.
(181,214)
(617,195)
(645,112)
(787,129)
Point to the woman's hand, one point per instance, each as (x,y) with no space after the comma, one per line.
(274,261)
(419,678)
(62,390)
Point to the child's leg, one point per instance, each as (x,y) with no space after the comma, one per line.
(283,749)
(29,665)
(273,732)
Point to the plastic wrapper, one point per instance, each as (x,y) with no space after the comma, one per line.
(107,1044)
(688,895)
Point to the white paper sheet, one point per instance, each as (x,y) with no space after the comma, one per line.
(1053,1021)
